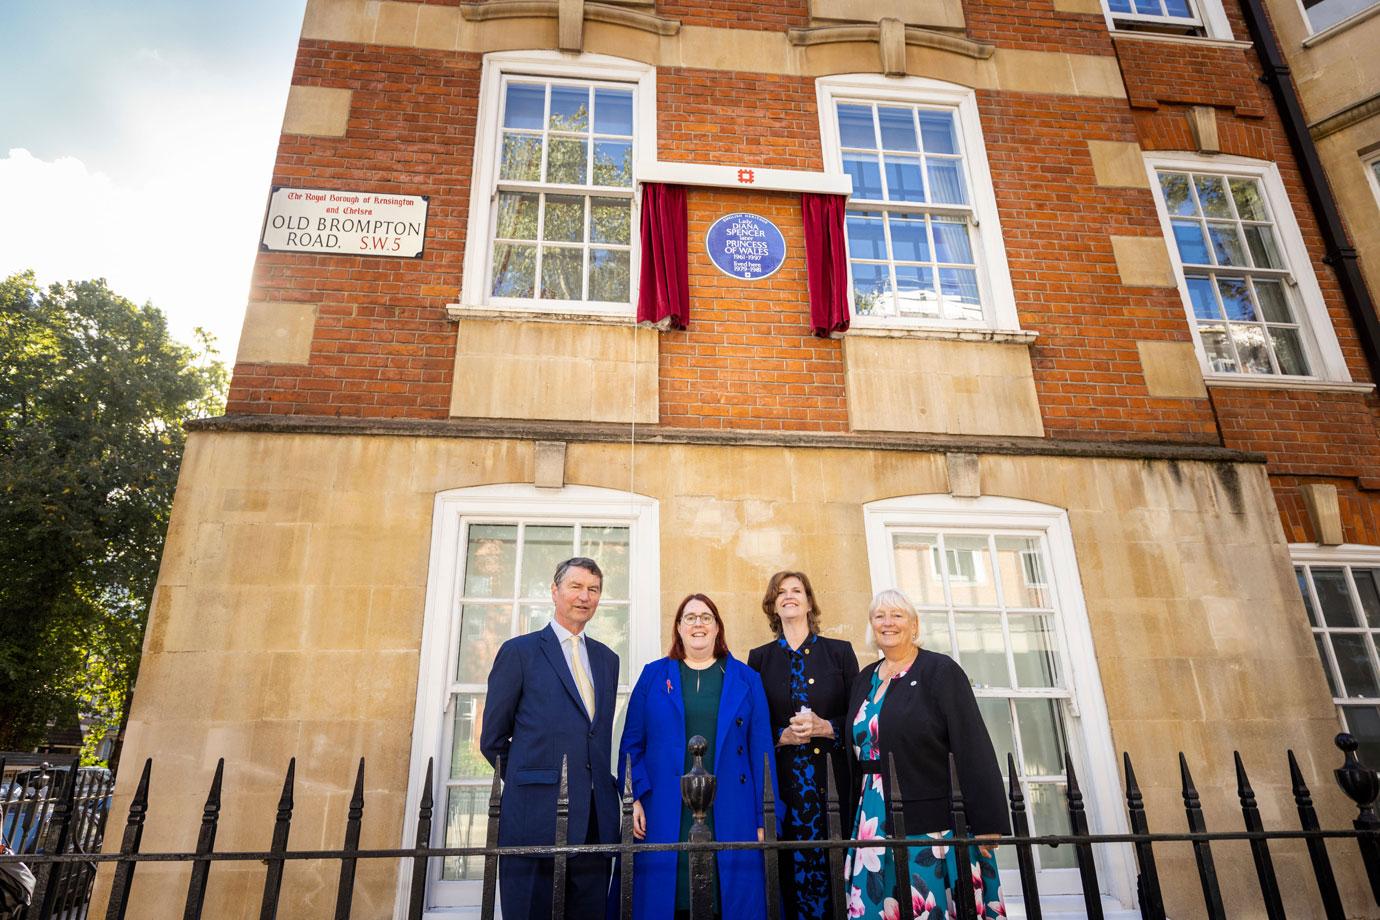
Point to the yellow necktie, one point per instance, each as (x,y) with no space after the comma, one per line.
(577,669)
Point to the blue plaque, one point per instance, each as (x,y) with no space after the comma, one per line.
(746,246)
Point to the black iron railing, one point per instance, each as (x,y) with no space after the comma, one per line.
(63,871)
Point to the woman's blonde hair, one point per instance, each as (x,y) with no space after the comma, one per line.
(891,599)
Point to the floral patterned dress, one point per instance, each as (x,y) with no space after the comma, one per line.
(870,872)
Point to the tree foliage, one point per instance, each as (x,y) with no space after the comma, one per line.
(93,392)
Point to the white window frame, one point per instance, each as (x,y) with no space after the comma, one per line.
(1341,25)
(1371,163)
(989,250)
(475,283)
(1089,729)
(1212,18)
(454,509)
(1345,555)
(1315,325)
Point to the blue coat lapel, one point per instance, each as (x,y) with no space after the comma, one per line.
(673,682)
(735,688)
(551,646)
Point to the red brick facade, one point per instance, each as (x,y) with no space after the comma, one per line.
(383,345)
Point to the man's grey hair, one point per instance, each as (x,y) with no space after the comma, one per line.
(578,562)
(891,599)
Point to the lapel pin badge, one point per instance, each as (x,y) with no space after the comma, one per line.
(668,686)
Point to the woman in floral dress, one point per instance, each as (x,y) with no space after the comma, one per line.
(917,707)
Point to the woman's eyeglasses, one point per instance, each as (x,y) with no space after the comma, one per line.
(697,619)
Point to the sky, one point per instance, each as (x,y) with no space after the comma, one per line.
(137,140)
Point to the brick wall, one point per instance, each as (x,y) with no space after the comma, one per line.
(1360,509)
(765,120)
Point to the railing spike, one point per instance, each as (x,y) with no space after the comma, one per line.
(1362,786)
(417,897)
(1317,847)
(900,855)
(1078,824)
(1202,850)
(1025,858)
(48,878)
(962,895)
(129,845)
(834,830)
(206,841)
(489,893)
(273,878)
(559,873)
(626,861)
(1148,878)
(771,859)
(1260,850)
(345,890)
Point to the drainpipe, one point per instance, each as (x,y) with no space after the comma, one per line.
(1340,254)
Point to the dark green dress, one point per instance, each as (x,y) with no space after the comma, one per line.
(700,691)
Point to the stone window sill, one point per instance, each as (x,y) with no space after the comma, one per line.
(1200,40)
(456,312)
(1004,336)
(1259,382)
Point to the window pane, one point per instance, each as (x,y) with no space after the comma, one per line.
(1178,8)
(564,219)
(1252,349)
(566,164)
(1188,235)
(1364,723)
(1264,253)
(1226,244)
(915,290)
(915,573)
(1272,301)
(1368,587)
(855,128)
(903,182)
(561,273)
(610,626)
(1177,197)
(937,132)
(521,160)
(610,220)
(517,216)
(1321,640)
(1302,576)
(1353,661)
(981,649)
(866,175)
(946,182)
(532,617)
(467,815)
(613,113)
(959,286)
(1202,298)
(483,628)
(1236,299)
(970,572)
(613,163)
(951,243)
(867,237)
(908,240)
(514,270)
(1334,597)
(465,760)
(1048,803)
(1246,193)
(934,632)
(996,715)
(1119,6)
(1023,579)
(490,560)
(871,288)
(1288,351)
(608,546)
(523,106)
(898,128)
(544,547)
(1212,195)
(1219,354)
(609,275)
(1034,650)
(569,108)
(1042,737)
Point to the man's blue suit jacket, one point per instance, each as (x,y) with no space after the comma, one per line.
(533,716)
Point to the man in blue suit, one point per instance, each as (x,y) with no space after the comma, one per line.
(551,695)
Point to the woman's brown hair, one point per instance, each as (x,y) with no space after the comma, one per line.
(774,588)
(677,652)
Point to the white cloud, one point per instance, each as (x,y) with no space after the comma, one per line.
(178,225)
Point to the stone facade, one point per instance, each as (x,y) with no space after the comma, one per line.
(306,576)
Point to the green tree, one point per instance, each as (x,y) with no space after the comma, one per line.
(93,393)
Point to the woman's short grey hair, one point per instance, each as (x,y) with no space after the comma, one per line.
(891,599)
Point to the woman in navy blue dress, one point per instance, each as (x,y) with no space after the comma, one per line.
(806,677)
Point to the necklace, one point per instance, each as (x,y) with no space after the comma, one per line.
(890,671)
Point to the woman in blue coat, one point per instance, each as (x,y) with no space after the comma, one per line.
(698,689)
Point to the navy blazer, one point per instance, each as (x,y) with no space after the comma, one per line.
(927,714)
(533,716)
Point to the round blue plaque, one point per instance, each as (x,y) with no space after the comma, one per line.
(746,246)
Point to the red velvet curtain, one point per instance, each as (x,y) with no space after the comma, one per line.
(826,264)
(663,297)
